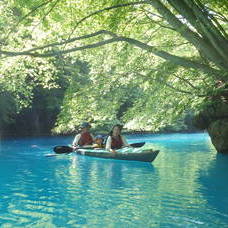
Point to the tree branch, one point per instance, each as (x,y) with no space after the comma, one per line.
(186,81)
(219,15)
(205,26)
(48,12)
(159,23)
(172,87)
(106,9)
(173,58)
(54,53)
(180,90)
(28,14)
(146,12)
(187,33)
(71,40)
(165,55)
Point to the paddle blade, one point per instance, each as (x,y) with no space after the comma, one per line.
(68,149)
(63,149)
(136,145)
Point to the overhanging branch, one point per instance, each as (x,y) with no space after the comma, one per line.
(28,14)
(107,9)
(59,52)
(199,42)
(163,82)
(68,41)
(115,38)
(49,11)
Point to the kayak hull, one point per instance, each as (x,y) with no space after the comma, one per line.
(145,156)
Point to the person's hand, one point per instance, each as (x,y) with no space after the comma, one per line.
(95,146)
(74,147)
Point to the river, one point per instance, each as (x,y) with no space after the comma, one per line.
(186,185)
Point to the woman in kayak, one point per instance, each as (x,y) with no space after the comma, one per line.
(84,138)
(115,140)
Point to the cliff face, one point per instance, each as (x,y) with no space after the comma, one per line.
(218,131)
(214,119)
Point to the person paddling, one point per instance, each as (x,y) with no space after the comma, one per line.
(115,140)
(84,138)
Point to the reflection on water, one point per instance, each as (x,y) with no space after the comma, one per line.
(186,186)
(214,184)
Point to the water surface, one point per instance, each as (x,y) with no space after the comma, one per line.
(186,186)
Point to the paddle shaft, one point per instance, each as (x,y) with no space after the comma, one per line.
(68,149)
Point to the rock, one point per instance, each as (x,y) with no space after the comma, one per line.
(201,121)
(214,119)
(218,131)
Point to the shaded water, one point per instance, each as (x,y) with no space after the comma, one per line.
(186,186)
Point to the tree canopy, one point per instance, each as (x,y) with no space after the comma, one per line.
(145,62)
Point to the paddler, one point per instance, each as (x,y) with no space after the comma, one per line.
(115,140)
(84,138)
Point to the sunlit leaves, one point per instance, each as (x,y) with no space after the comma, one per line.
(20,75)
(115,82)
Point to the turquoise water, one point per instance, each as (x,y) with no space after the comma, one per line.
(186,186)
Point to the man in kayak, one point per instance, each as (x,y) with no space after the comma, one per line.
(84,138)
(115,140)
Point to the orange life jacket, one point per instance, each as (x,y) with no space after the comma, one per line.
(117,143)
(85,139)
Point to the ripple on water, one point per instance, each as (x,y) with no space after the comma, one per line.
(178,190)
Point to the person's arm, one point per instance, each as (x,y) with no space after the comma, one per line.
(124,141)
(108,145)
(92,137)
(76,140)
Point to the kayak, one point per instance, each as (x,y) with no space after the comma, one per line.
(146,155)
(137,152)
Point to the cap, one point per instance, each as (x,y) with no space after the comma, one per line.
(85,125)
(99,137)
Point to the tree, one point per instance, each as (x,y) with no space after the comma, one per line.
(196,42)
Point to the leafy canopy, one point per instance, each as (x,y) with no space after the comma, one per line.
(149,61)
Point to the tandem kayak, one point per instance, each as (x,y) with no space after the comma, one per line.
(147,155)
(137,152)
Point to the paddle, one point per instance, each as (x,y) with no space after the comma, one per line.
(68,149)
(136,145)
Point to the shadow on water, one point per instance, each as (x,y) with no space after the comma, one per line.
(215,183)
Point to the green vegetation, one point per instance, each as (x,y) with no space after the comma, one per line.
(148,64)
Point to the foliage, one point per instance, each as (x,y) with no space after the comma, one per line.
(7,108)
(157,64)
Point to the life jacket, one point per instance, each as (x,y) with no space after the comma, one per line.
(85,139)
(117,143)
